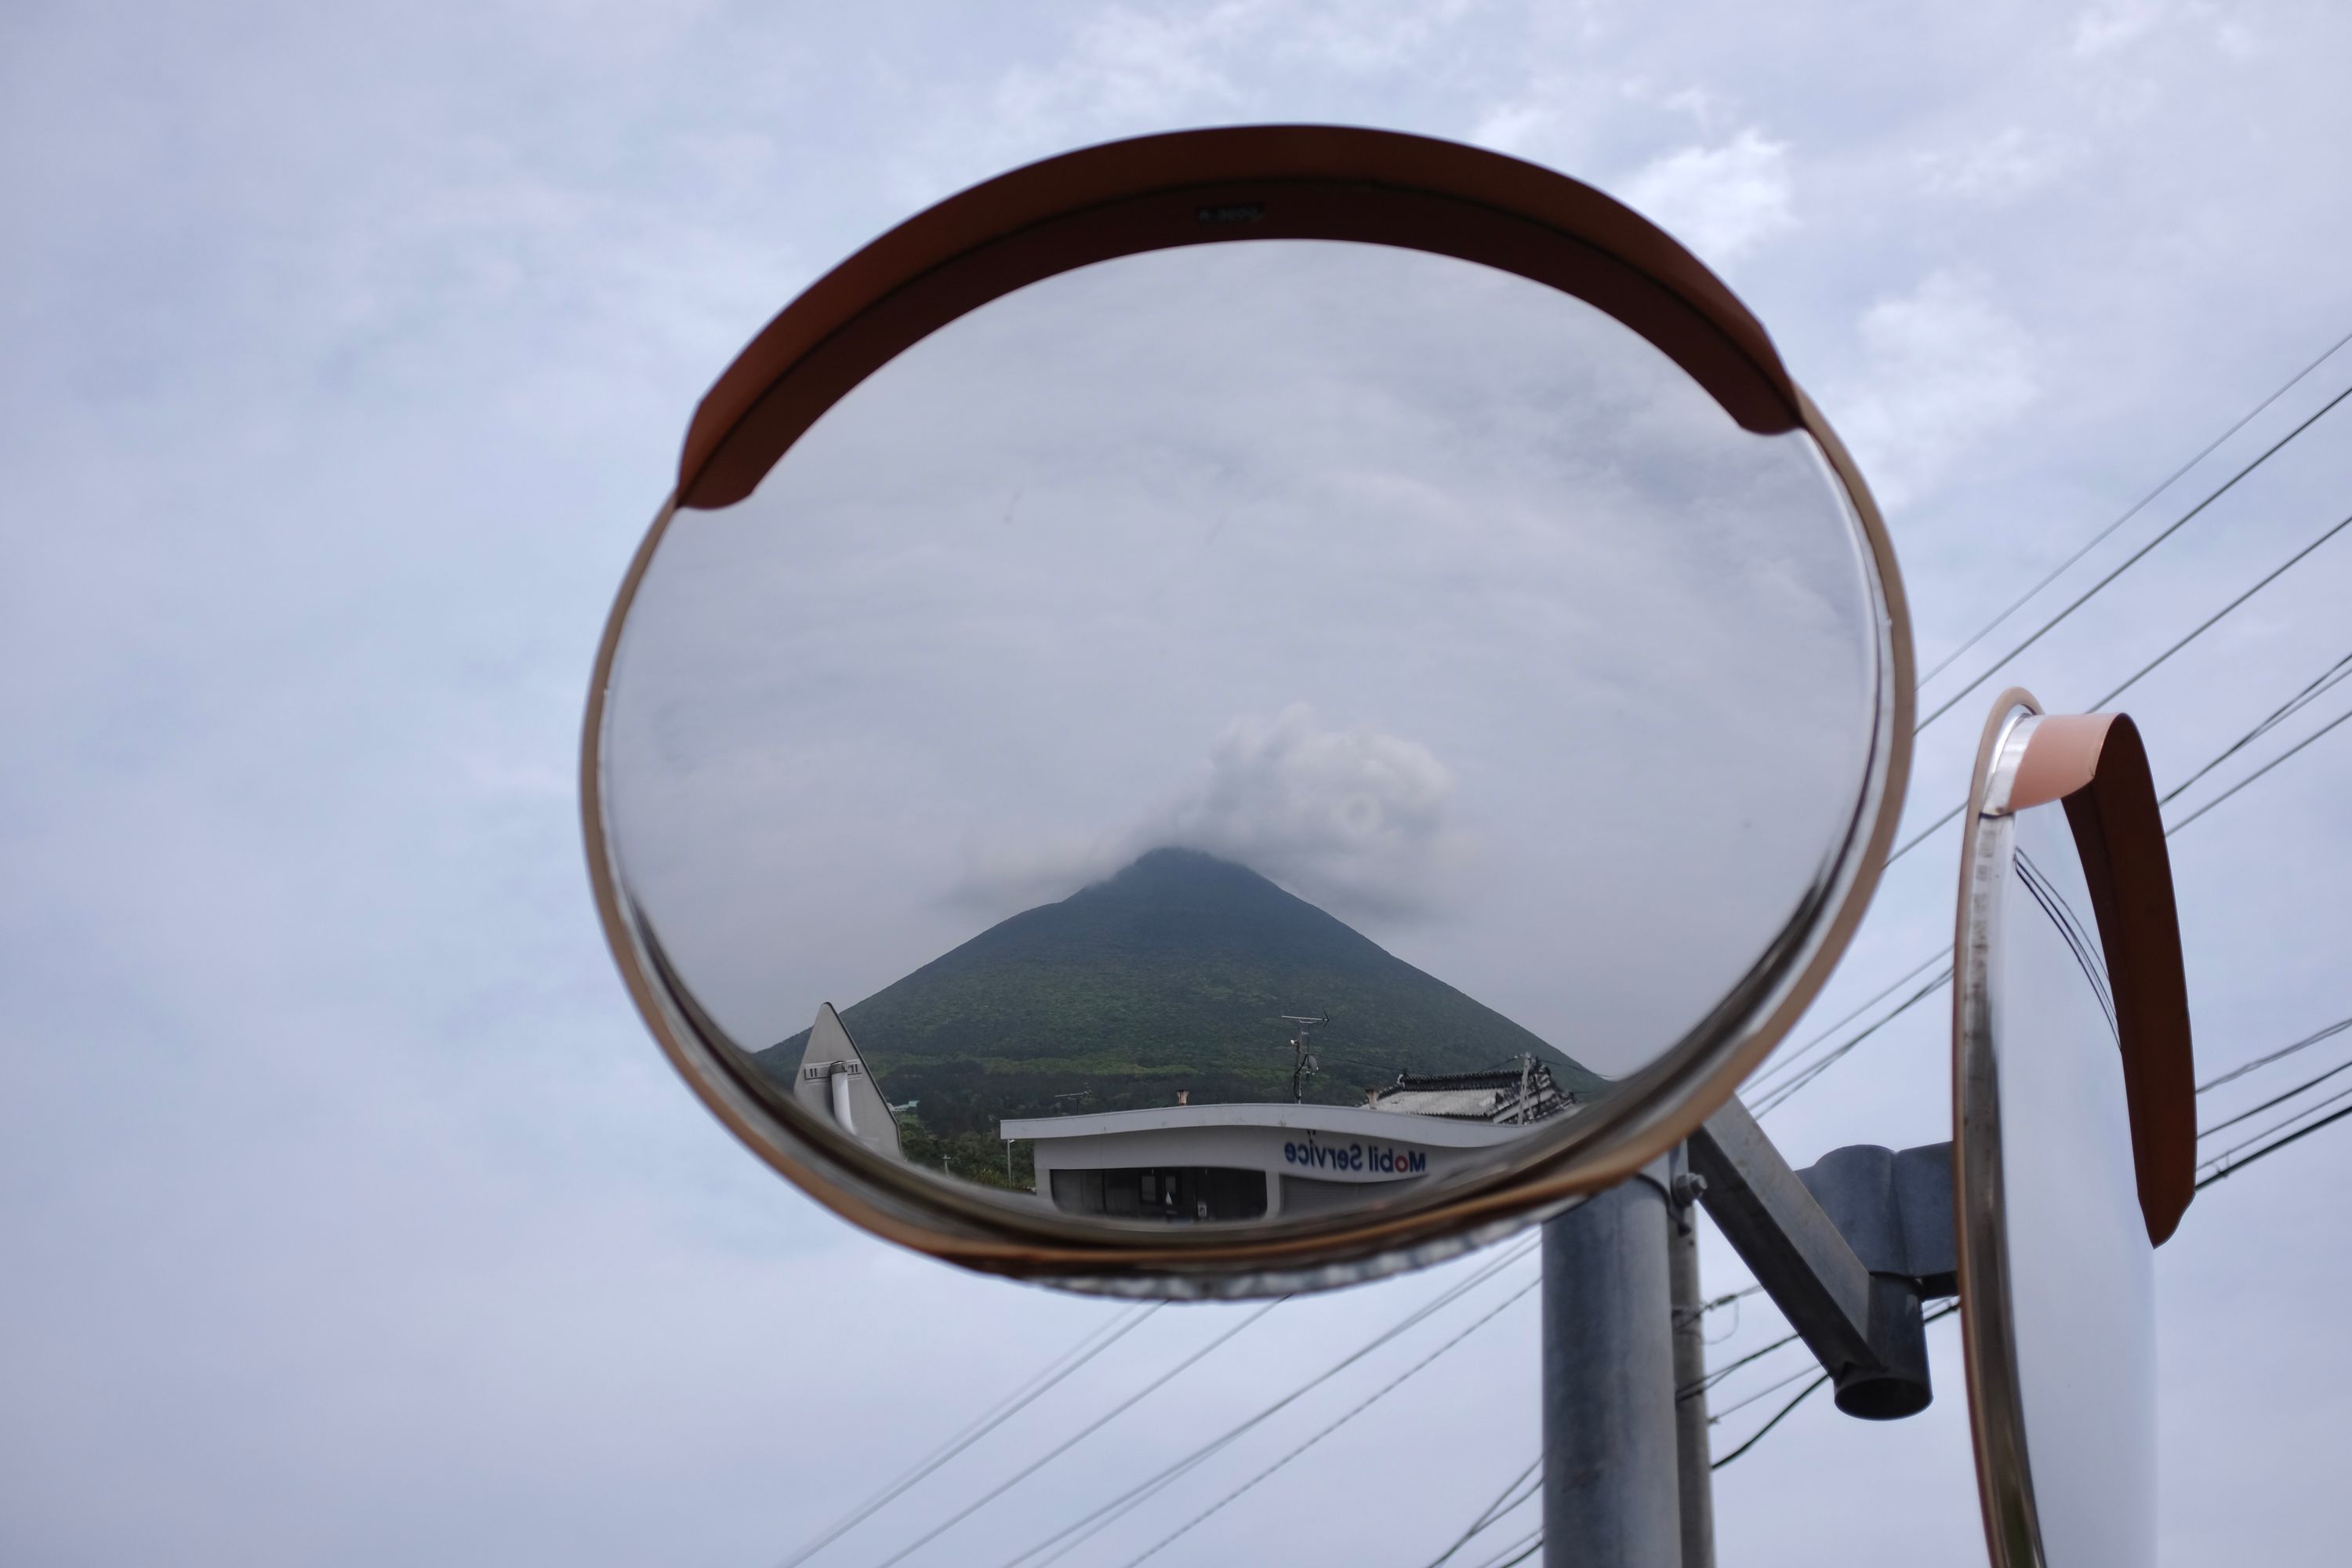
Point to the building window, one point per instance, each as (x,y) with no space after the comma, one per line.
(1183,1194)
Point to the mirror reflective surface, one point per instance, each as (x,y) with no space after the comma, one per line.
(1243,733)
(2062,1324)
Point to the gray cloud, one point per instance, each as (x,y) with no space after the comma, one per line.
(1354,820)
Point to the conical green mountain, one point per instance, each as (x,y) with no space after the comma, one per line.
(1174,974)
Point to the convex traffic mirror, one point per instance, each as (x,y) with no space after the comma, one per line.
(1233,711)
(2074,1130)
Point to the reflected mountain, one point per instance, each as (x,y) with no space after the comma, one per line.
(1169,979)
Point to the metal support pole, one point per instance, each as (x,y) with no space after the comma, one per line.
(1693,1459)
(1611,1497)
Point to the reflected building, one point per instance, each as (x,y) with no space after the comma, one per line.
(834,1085)
(1189,1163)
(1186,1164)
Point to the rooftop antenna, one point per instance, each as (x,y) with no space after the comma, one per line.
(1304,1062)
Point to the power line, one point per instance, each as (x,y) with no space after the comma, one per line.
(1773,1097)
(2133,510)
(1780,1069)
(1778,1416)
(2210,622)
(2320,685)
(2150,666)
(2222,1158)
(1921,837)
(2132,560)
(1684,1316)
(1693,1390)
(1121,1408)
(1796,1084)
(1375,1397)
(2306,1087)
(1119,1508)
(1094,1344)
(1770,1388)
(1517,1551)
(2225,1172)
(2258,773)
(2313,1039)
(1805,1392)
(1494,1511)
(1089,1524)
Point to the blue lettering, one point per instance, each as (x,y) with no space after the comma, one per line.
(1420,1160)
(1355,1156)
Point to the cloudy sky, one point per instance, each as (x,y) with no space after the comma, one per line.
(348,1215)
(1434,593)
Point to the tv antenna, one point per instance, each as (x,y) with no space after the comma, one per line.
(1303,1063)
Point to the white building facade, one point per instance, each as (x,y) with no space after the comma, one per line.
(1189,1163)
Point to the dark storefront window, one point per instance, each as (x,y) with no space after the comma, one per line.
(1185,1192)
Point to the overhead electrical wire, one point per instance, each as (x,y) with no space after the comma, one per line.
(2275,1127)
(2320,685)
(2208,624)
(1780,1069)
(1119,1508)
(2235,1073)
(1928,832)
(1684,1316)
(1794,1085)
(2274,1101)
(2258,773)
(1517,1551)
(1778,1416)
(1103,1518)
(1092,1345)
(1776,1094)
(1091,1522)
(1116,1411)
(1375,1397)
(2133,511)
(1697,1387)
(2227,1170)
(1946,1311)
(1769,1389)
(2132,560)
(2279,1126)
(1494,1511)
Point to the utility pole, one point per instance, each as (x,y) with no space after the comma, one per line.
(1693,1458)
(1847,1248)
(1610,1490)
(1303,1062)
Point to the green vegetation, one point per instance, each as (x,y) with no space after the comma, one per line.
(1173,975)
(975,1156)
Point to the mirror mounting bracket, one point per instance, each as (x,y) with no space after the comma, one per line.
(1847,1248)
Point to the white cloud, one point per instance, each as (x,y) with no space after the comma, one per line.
(2113,24)
(1353,820)
(1723,202)
(1517,127)
(2010,165)
(1139,68)
(1947,369)
(1351,817)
